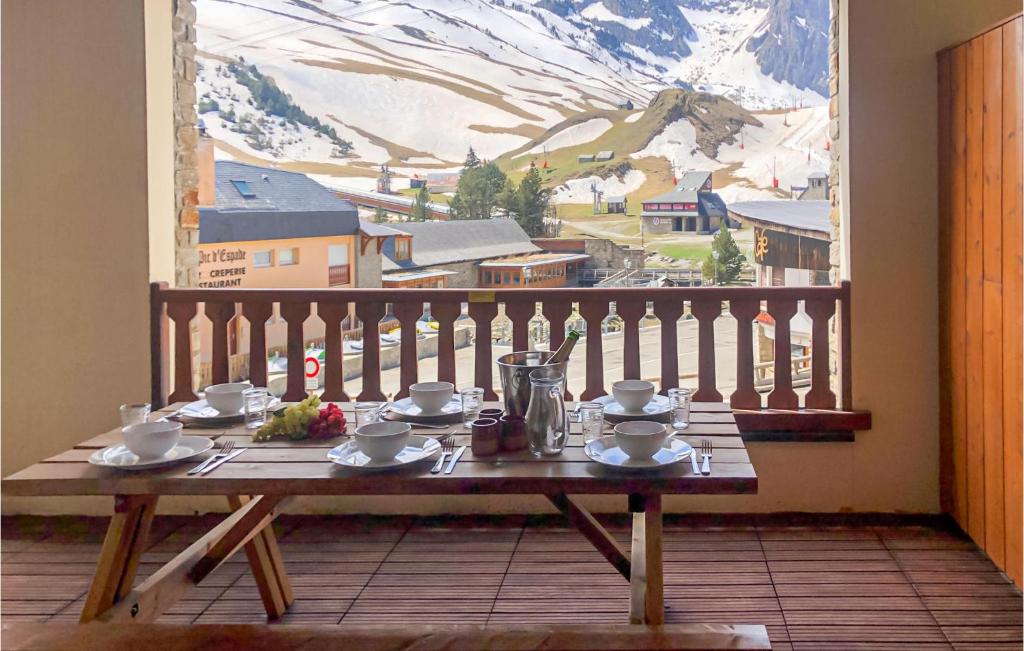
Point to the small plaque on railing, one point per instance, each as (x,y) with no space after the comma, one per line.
(481,297)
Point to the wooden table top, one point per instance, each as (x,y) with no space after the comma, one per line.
(288,467)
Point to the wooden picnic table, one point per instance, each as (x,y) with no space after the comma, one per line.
(259,482)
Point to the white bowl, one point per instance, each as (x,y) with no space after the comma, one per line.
(152,440)
(226,398)
(633,395)
(640,439)
(382,441)
(431,396)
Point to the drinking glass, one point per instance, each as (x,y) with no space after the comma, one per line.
(471,399)
(255,402)
(679,402)
(368,412)
(591,420)
(134,413)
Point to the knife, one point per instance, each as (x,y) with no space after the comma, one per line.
(693,462)
(220,462)
(455,458)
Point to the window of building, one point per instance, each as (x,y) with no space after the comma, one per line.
(337,265)
(263,259)
(287,257)
(487,277)
(403,248)
(244,189)
(515,279)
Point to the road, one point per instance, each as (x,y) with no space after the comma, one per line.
(650,360)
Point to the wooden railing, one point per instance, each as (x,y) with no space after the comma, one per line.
(331,306)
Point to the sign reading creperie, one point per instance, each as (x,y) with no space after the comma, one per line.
(221,268)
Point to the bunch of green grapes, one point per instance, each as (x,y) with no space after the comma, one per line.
(291,421)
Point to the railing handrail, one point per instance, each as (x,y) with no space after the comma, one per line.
(574,294)
(333,308)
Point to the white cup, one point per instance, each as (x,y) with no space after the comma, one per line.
(430,397)
(633,395)
(382,441)
(152,440)
(640,439)
(227,398)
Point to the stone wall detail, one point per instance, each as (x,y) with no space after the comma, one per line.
(186,139)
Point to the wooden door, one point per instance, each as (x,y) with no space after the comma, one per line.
(980,202)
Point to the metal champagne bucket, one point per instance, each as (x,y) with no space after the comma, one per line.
(514,370)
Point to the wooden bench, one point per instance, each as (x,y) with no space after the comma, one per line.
(254,637)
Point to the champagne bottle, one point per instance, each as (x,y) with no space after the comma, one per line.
(563,352)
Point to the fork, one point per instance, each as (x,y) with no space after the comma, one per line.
(224,451)
(447,447)
(705,453)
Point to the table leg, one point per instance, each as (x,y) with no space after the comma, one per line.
(119,557)
(267,566)
(647,580)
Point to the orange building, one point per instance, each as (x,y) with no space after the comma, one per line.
(533,270)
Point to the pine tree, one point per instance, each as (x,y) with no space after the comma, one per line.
(419,207)
(533,203)
(508,200)
(727,267)
(477,193)
(472,162)
(380,216)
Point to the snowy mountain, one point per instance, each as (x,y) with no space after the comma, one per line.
(338,87)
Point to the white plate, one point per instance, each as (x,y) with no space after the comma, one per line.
(418,448)
(406,408)
(119,456)
(606,452)
(658,406)
(201,411)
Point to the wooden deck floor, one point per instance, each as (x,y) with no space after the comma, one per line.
(814,587)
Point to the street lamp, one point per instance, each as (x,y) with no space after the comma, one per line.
(714,256)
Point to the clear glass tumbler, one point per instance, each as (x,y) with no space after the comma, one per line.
(591,420)
(134,413)
(679,402)
(255,402)
(368,412)
(472,398)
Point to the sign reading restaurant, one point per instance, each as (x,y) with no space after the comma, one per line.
(228,271)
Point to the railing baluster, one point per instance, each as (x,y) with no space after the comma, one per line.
(520,313)
(845,337)
(745,396)
(594,312)
(371,314)
(483,314)
(182,315)
(668,312)
(332,314)
(408,314)
(706,313)
(219,314)
(159,345)
(782,396)
(631,312)
(556,312)
(820,396)
(257,314)
(446,313)
(295,314)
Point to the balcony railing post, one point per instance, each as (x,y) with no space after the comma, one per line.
(370,313)
(820,396)
(668,313)
(782,395)
(445,313)
(594,312)
(182,315)
(159,346)
(745,396)
(295,313)
(631,312)
(556,312)
(257,315)
(332,314)
(846,346)
(408,314)
(706,312)
(220,314)
(483,314)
